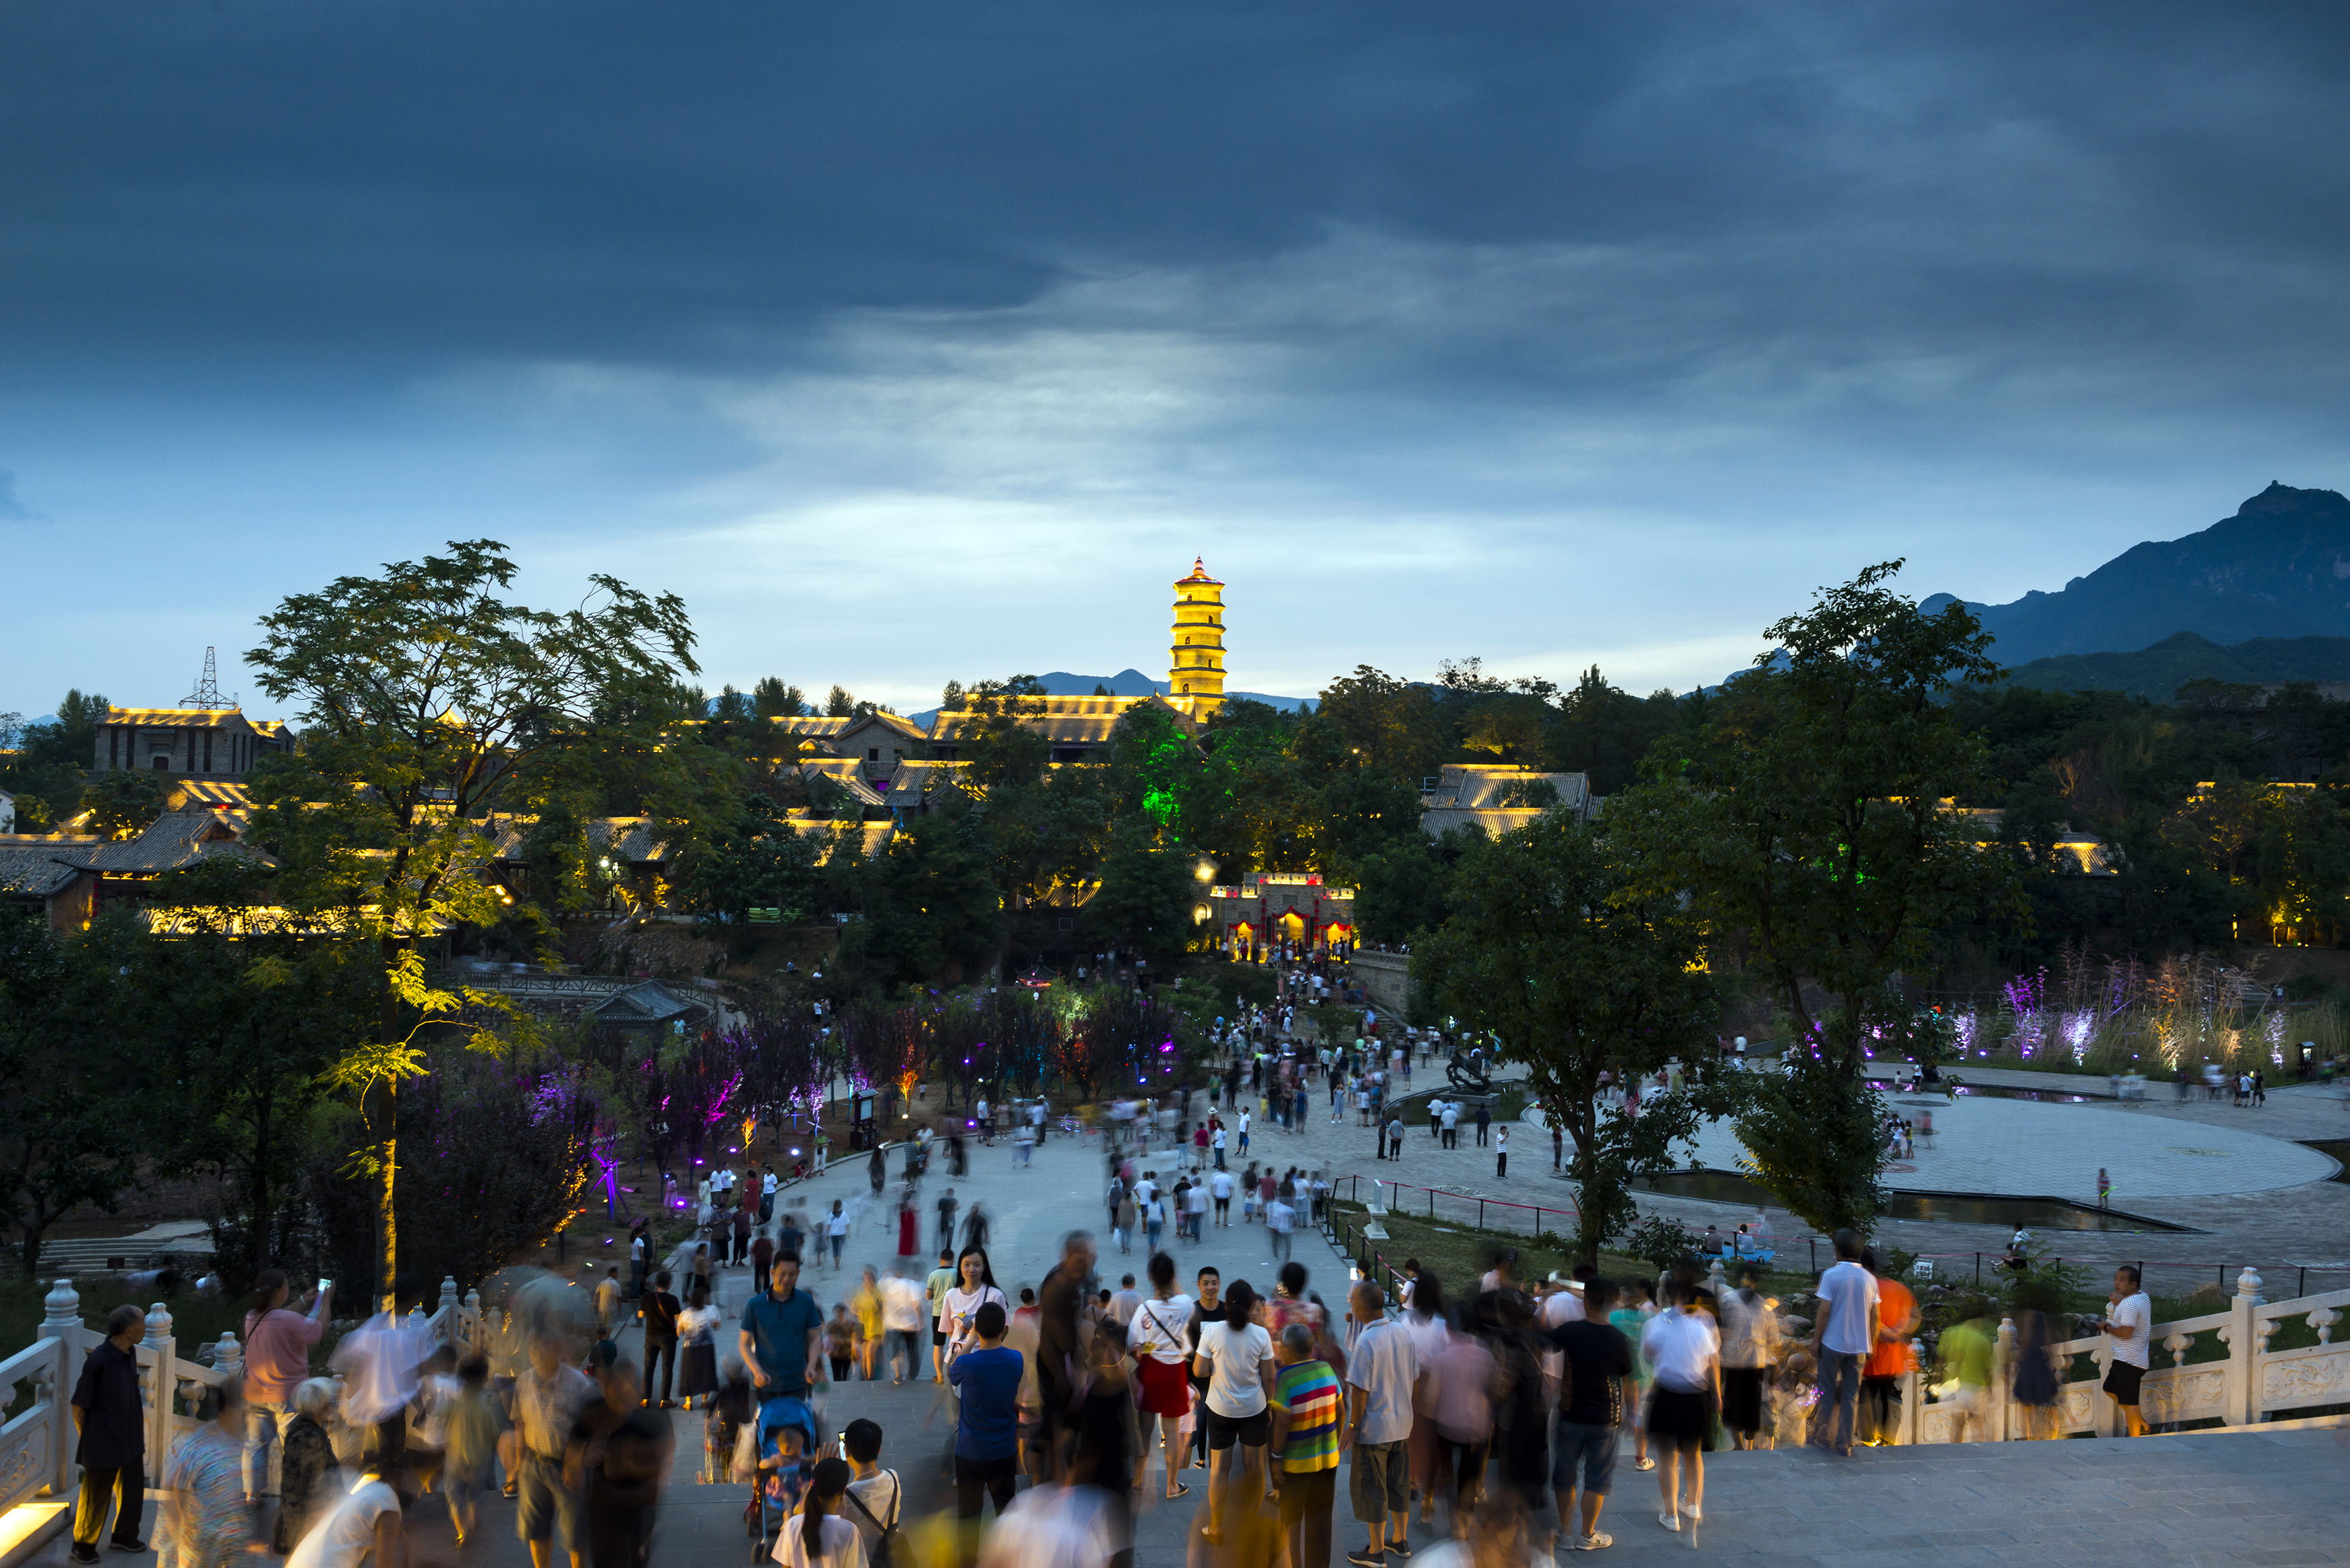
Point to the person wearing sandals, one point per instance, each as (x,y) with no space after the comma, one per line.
(1685,1349)
(1155,1338)
(1631,1315)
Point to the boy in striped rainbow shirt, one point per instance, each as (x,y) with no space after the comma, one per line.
(1309,1413)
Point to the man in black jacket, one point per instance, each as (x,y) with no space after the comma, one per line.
(114,1448)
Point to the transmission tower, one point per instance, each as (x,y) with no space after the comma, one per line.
(208,692)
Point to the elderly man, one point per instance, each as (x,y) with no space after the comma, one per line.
(112,1451)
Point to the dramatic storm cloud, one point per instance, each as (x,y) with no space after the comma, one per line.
(913,342)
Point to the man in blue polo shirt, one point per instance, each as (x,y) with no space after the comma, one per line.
(780,1325)
(987,1429)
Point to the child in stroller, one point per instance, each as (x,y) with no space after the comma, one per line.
(785,1442)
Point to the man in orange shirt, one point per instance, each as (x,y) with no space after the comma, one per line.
(1880,1378)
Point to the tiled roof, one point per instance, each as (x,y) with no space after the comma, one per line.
(651,1002)
(219,795)
(43,864)
(872,838)
(915,779)
(1478,786)
(182,718)
(1495,820)
(1064,720)
(847,773)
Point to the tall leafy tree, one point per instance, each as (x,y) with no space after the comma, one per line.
(426,692)
(1806,818)
(71,1117)
(1587,970)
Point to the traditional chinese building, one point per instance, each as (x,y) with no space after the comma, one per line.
(1275,909)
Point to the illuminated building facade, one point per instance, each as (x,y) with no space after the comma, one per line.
(1195,678)
(1268,909)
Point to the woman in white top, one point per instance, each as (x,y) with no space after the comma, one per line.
(1236,1359)
(1424,1321)
(1154,1337)
(974,1288)
(1684,1347)
(818,1535)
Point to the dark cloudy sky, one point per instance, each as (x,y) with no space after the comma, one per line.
(911,342)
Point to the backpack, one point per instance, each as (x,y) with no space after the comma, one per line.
(883,1553)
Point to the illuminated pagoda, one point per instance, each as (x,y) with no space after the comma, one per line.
(1195,681)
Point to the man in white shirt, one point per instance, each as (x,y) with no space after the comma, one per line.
(1221,1185)
(1244,1127)
(1382,1368)
(902,1304)
(2129,1326)
(1279,1219)
(1123,1305)
(1451,1115)
(1216,1142)
(1845,1332)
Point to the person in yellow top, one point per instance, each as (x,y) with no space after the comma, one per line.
(866,1304)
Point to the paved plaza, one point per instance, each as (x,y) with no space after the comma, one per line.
(2234,1498)
(2036,1148)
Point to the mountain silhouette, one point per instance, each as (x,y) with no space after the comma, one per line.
(2280,568)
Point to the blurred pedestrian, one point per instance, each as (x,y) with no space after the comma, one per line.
(659,1310)
(1682,1344)
(1463,1375)
(476,1424)
(1750,1345)
(205,1517)
(1431,1331)
(1157,1336)
(1889,1360)
(618,1457)
(1058,1366)
(547,1399)
(308,1483)
(277,1344)
(1842,1339)
(366,1524)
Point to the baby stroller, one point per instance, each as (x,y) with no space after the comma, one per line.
(783,1440)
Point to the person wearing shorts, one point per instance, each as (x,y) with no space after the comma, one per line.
(2128,1324)
(1684,1347)
(1235,1356)
(1380,1373)
(1602,1393)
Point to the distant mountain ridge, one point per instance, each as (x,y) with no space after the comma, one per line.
(1135,684)
(2157,673)
(2279,570)
(1127,682)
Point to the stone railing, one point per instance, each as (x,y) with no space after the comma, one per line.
(37,1445)
(2249,1386)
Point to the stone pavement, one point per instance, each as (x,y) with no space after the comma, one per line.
(2226,1499)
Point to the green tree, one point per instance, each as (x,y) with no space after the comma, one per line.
(1146,896)
(1585,967)
(759,862)
(1807,821)
(123,801)
(51,759)
(71,1113)
(772,699)
(426,693)
(838,703)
